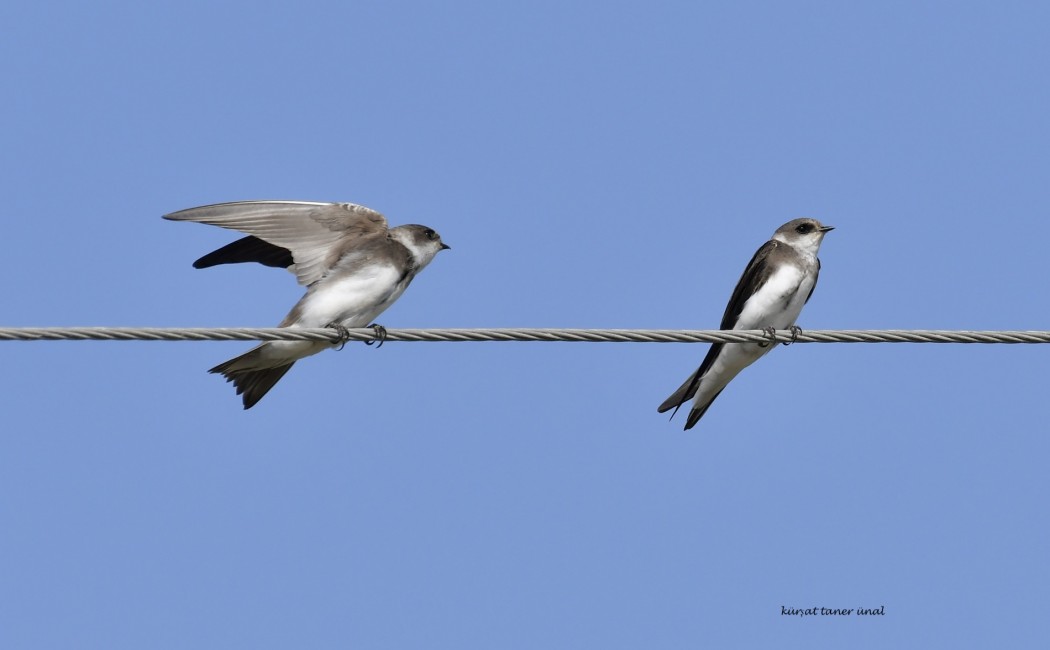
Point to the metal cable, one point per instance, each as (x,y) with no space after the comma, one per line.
(514,334)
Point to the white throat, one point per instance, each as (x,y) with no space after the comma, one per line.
(806,245)
(421,254)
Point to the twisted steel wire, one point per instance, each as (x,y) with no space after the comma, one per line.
(516,334)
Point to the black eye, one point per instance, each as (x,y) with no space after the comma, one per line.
(804,228)
(430,234)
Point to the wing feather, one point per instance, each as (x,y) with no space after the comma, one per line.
(755,275)
(312,232)
(248,249)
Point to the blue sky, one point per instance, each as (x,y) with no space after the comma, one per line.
(592,165)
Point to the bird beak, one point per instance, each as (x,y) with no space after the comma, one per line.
(445,246)
(827,228)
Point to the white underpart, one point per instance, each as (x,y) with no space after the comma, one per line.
(778,304)
(352,301)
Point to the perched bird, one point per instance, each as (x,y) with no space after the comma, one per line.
(352,264)
(770,294)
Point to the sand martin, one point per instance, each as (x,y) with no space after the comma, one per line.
(775,285)
(352,264)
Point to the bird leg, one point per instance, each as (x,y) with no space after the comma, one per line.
(380,335)
(344,334)
(795,331)
(771,332)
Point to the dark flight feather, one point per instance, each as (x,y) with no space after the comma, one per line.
(247,249)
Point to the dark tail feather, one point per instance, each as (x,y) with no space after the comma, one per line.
(247,249)
(252,384)
(697,413)
(684,393)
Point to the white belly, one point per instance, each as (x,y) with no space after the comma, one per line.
(353,301)
(778,304)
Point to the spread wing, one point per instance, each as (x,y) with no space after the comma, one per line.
(314,233)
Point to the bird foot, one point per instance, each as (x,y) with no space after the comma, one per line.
(380,335)
(795,331)
(344,334)
(771,332)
